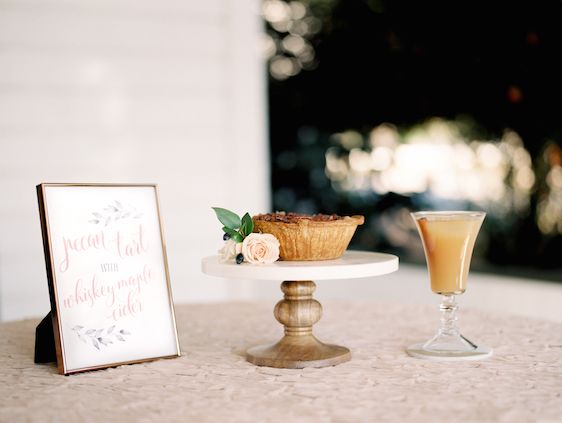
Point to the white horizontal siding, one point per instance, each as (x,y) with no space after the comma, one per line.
(170,92)
(32,71)
(109,109)
(190,9)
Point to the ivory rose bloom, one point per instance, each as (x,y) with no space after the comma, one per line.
(260,248)
(230,250)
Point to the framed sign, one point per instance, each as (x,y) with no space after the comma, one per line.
(111,301)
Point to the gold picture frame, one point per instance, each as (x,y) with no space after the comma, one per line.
(108,277)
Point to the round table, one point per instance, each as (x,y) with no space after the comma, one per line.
(213,382)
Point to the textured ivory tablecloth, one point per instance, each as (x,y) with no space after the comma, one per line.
(212,381)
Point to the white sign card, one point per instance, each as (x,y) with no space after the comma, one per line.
(108,276)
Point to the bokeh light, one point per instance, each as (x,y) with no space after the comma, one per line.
(549,207)
(350,66)
(436,158)
(288,42)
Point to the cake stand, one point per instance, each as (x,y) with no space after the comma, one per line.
(298,311)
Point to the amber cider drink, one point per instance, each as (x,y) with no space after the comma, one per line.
(448,241)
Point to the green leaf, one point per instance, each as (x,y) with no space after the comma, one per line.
(247,225)
(227,218)
(234,235)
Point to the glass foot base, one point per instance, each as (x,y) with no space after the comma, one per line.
(418,351)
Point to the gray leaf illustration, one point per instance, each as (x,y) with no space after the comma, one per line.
(96,335)
(114,212)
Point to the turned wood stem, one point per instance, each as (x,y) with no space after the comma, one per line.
(298,311)
(298,349)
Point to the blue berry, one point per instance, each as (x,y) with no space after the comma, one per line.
(225,237)
(239,258)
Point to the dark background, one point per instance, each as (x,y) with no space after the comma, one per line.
(495,65)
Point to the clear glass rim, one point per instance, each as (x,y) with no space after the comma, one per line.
(451,214)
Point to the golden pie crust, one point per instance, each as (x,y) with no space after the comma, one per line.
(309,237)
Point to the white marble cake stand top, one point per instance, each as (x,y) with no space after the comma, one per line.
(353,264)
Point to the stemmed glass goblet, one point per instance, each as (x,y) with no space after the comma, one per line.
(448,240)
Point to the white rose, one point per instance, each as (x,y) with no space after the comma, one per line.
(230,250)
(260,248)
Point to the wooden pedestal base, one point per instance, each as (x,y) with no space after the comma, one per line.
(295,353)
(298,312)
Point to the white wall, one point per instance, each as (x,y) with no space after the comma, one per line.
(164,91)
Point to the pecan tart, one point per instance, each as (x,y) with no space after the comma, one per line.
(309,237)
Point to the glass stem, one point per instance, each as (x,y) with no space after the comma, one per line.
(449,317)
